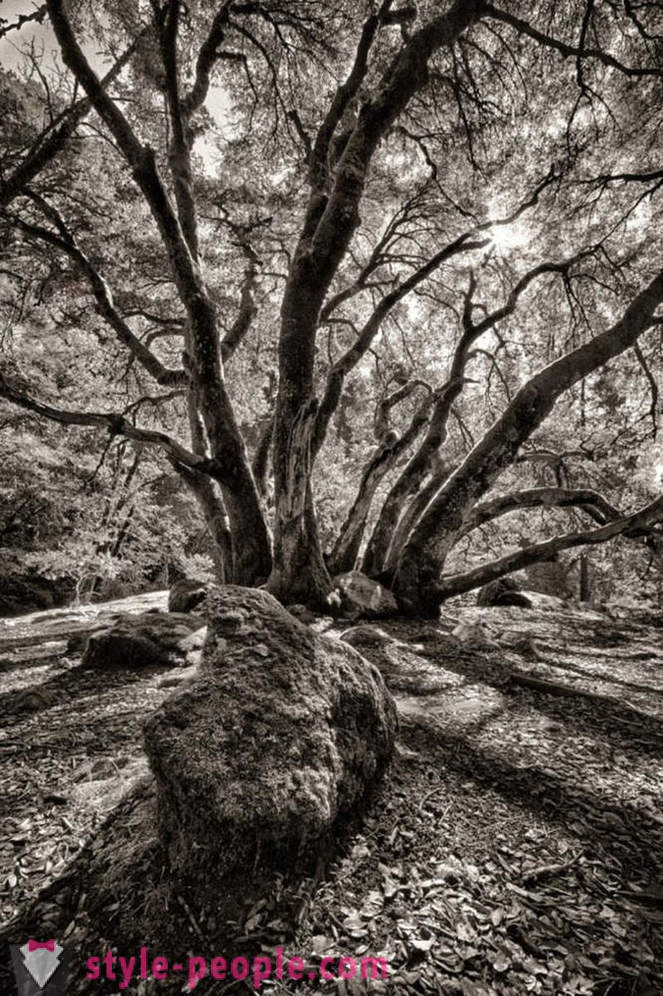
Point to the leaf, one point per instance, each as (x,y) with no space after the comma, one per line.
(373,904)
(422,943)
(355,925)
(502,962)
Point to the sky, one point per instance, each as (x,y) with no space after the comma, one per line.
(10,57)
(42,34)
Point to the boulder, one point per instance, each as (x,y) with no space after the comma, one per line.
(366,636)
(186,595)
(474,633)
(302,613)
(538,600)
(281,731)
(151,639)
(363,598)
(504,591)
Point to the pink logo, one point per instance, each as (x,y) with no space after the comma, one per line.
(35,945)
(41,959)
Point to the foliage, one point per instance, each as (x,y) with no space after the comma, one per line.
(546,167)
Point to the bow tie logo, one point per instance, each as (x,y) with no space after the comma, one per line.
(46,945)
(41,960)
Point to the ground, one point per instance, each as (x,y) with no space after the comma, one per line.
(515,846)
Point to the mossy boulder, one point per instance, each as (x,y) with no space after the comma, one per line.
(186,595)
(281,732)
(151,639)
(363,598)
(504,591)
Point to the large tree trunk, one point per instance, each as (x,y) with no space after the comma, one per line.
(417,579)
(415,510)
(346,549)
(299,573)
(337,186)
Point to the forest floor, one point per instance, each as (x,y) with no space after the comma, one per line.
(515,847)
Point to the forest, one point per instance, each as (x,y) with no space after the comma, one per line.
(331,496)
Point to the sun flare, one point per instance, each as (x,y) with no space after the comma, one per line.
(506,237)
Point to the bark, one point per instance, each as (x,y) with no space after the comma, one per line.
(208,498)
(346,549)
(409,481)
(415,510)
(331,219)
(299,573)
(385,458)
(590,501)
(423,558)
(216,520)
(261,456)
(179,153)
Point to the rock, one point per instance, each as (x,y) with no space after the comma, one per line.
(186,595)
(538,600)
(474,634)
(281,731)
(34,700)
(365,636)
(362,597)
(302,613)
(504,591)
(78,641)
(161,639)
(184,676)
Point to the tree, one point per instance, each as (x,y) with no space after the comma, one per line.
(374,195)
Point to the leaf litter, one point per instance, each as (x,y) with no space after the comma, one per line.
(512,850)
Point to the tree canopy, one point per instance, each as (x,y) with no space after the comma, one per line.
(367,283)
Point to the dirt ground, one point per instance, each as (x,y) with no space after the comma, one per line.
(516,845)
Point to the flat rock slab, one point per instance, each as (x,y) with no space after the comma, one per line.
(103,794)
(61,624)
(457,709)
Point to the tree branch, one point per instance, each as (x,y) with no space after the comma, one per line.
(422,560)
(352,356)
(116,424)
(104,300)
(593,503)
(566,51)
(179,153)
(206,59)
(48,145)
(456,584)
(141,158)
